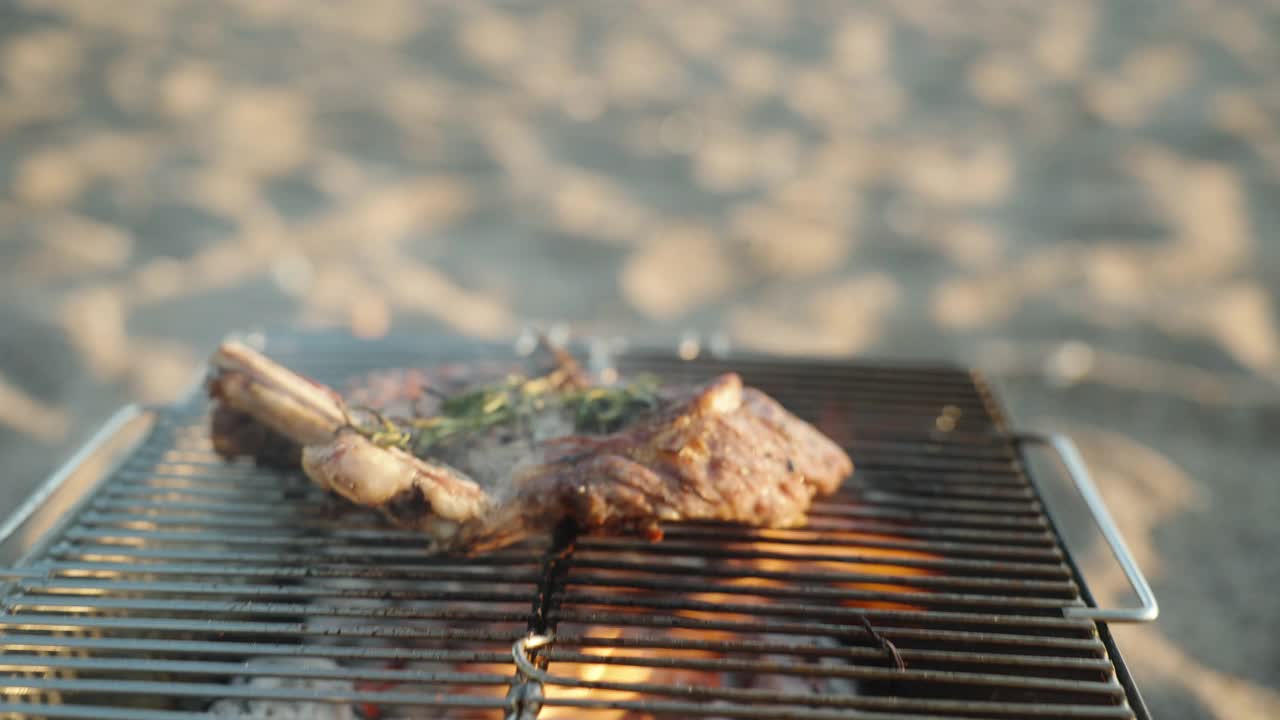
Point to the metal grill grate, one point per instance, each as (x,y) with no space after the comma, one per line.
(932,585)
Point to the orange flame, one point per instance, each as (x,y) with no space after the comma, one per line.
(833,559)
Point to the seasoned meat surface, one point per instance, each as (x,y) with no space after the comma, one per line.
(480,458)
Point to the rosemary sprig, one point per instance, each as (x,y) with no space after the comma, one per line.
(514,401)
(604,410)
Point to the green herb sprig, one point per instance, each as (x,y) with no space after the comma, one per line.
(514,401)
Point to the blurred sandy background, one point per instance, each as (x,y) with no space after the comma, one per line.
(1079,197)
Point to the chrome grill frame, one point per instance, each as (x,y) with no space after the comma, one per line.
(155,584)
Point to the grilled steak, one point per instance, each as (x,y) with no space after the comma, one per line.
(477,458)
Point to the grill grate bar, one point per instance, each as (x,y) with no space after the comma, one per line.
(945,519)
(1014,605)
(997,481)
(728,535)
(21,711)
(255,608)
(958,566)
(391,589)
(154,646)
(913,598)
(330,571)
(33,621)
(372,554)
(886,498)
(331,555)
(136,645)
(807,610)
(864,540)
(782,712)
(384,591)
(1099,666)
(116,686)
(839,524)
(1072,648)
(375,530)
(881,618)
(935,487)
(822,577)
(203,667)
(884,441)
(663,709)
(436,699)
(421,677)
(257,524)
(30,621)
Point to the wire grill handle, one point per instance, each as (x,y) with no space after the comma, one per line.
(1148,609)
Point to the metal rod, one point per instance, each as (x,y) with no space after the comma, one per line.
(1148,609)
(392,629)
(1082,642)
(94,712)
(1012,658)
(811,610)
(330,571)
(219,690)
(433,610)
(940,564)
(934,623)
(852,595)
(386,590)
(810,576)
(240,669)
(235,648)
(96,442)
(764,710)
(412,544)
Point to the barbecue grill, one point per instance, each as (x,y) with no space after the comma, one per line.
(933,585)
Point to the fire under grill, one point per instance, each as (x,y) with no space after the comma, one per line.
(932,586)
